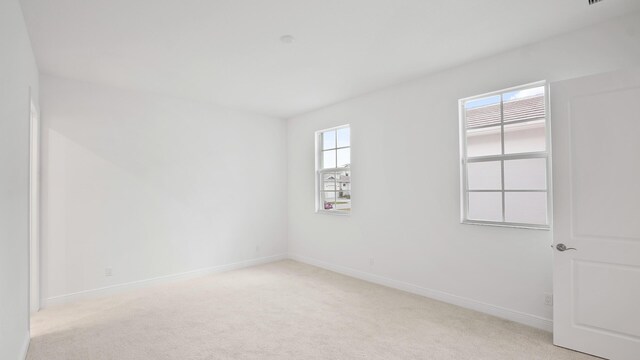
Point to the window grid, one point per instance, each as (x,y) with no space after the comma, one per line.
(338,191)
(502,157)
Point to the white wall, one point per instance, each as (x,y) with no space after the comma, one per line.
(18,74)
(153,186)
(405,164)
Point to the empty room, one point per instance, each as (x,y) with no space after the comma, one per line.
(338,179)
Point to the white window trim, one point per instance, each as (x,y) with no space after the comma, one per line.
(319,208)
(464,199)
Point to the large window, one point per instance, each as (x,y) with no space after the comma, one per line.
(333,170)
(505,158)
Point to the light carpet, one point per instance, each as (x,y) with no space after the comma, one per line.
(281,310)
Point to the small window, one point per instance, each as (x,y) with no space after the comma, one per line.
(505,158)
(333,170)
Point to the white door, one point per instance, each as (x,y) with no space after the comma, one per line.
(596,185)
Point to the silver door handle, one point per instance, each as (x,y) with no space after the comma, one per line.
(563,247)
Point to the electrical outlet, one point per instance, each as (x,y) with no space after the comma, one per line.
(257,249)
(548,299)
(108,271)
(370,261)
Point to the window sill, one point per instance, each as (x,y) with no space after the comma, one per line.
(507,225)
(336,213)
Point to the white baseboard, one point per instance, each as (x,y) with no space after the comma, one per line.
(25,346)
(118,288)
(504,313)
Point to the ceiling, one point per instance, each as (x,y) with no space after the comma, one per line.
(228,51)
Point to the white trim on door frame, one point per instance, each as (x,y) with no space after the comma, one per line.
(34,208)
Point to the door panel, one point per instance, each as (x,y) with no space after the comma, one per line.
(593,287)
(606,160)
(596,184)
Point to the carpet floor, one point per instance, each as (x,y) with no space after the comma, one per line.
(281,310)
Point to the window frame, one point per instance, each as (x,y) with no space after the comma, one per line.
(465,160)
(319,171)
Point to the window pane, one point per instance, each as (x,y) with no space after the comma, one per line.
(343,201)
(485,206)
(344,157)
(329,140)
(484,175)
(526,207)
(485,111)
(329,182)
(328,159)
(524,93)
(344,137)
(525,137)
(344,181)
(485,141)
(524,104)
(525,174)
(328,200)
